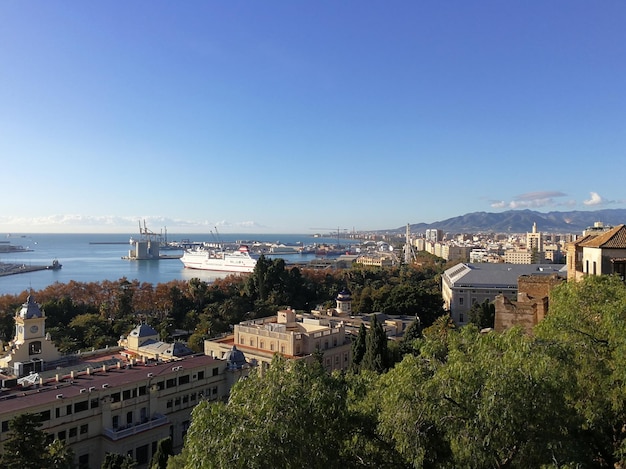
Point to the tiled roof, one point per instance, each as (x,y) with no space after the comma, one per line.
(612,239)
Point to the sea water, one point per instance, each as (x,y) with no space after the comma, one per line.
(98,257)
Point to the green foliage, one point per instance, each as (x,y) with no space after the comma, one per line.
(358,347)
(375,357)
(294,415)
(26,447)
(118,461)
(483,314)
(163,452)
(588,321)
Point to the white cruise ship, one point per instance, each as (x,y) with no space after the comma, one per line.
(205,258)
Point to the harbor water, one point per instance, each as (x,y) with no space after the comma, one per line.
(99,257)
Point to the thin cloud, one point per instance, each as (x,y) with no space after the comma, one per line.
(109,223)
(532,200)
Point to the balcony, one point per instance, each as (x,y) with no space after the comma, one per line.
(123,432)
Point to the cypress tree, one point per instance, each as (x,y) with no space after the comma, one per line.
(358,347)
(375,357)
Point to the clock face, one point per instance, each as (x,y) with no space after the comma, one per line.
(34,329)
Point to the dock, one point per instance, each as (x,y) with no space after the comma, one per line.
(13,269)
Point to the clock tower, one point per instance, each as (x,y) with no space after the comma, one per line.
(30,322)
(31,347)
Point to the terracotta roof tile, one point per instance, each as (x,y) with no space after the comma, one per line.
(612,239)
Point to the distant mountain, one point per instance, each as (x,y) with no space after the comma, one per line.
(521,221)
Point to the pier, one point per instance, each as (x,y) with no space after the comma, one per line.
(13,269)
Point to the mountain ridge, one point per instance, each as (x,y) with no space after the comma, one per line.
(521,221)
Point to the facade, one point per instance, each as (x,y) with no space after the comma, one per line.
(110,401)
(600,252)
(297,338)
(376,260)
(531,305)
(466,284)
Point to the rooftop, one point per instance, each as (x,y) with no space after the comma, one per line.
(118,372)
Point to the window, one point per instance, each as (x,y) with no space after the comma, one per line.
(336,359)
(126,394)
(95,403)
(183,380)
(34,348)
(461,301)
(177,401)
(185,399)
(57,412)
(461,318)
(62,435)
(169,403)
(84,429)
(282,349)
(116,397)
(143,390)
(129,417)
(68,410)
(116,421)
(142,455)
(81,406)
(73,432)
(201,375)
(83,460)
(193,397)
(5,426)
(170,383)
(160,385)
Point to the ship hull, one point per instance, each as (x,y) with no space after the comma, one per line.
(237,262)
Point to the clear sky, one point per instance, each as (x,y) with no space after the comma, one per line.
(298,116)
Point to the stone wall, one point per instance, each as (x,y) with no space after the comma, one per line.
(531,305)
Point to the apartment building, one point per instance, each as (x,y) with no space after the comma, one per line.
(109,401)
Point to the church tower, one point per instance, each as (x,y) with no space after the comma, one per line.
(31,347)
(344,303)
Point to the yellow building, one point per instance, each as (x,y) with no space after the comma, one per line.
(297,338)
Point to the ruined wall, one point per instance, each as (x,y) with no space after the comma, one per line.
(531,305)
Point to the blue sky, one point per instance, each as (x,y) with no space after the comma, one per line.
(288,117)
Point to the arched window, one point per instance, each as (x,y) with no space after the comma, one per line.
(34,348)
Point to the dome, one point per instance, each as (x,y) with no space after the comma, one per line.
(143,330)
(235,359)
(30,309)
(344,295)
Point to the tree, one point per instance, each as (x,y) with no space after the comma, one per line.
(588,321)
(293,415)
(483,315)
(163,452)
(491,401)
(118,461)
(26,446)
(61,455)
(375,357)
(358,347)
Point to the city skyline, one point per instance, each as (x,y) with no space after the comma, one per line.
(294,118)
